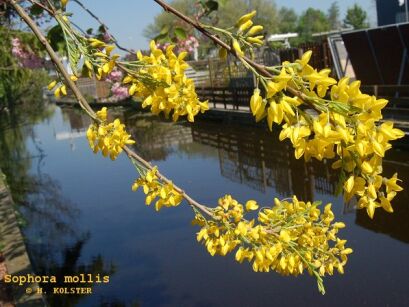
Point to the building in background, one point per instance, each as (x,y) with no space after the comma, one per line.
(391,11)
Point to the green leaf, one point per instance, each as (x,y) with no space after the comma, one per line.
(212,5)
(180,33)
(89,31)
(36,10)
(101,29)
(56,38)
(317,203)
(161,38)
(164,30)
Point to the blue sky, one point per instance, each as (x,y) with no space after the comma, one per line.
(127,19)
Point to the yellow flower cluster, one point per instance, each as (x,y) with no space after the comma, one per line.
(102,62)
(290,237)
(247,35)
(345,126)
(61,89)
(154,188)
(172,90)
(110,138)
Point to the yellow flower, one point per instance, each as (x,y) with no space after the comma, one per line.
(391,184)
(272,88)
(251,205)
(243,19)
(255,101)
(291,237)
(244,26)
(110,138)
(237,48)
(257,40)
(52,85)
(349,184)
(305,58)
(254,30)
(171,91)
(102,114)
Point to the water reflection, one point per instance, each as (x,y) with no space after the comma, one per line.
(16,128)
(54,240)
(256,158)
(83,217)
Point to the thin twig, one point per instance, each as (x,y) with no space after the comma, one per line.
(79,28)
(103,25)
(42,6)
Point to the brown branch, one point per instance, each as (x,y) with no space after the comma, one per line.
(84,104)
(259,67)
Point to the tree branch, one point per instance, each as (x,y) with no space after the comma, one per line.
(259,67)
(84,104)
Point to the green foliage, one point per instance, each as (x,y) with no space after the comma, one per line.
(333,16)
(171,34)
(288,20)
(180,33)
(56,38)
(209,6)
(18,85)
(356,17)
(310,22)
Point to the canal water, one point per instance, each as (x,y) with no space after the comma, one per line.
(79,215)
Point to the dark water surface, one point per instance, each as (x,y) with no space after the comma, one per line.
(82,217)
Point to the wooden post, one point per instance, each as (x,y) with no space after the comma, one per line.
(209,64)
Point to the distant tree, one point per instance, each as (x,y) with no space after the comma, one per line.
(287,20)
(333,16)
(356,17)
(312,21)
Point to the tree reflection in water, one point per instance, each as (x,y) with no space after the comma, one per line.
(255,157)
(54,241)
(248,155)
